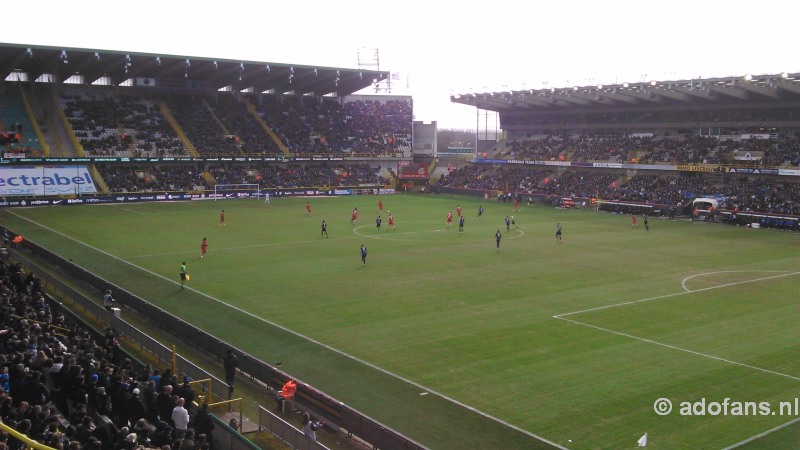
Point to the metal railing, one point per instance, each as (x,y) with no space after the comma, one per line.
(332,410)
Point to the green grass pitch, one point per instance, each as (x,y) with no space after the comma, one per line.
(459,345)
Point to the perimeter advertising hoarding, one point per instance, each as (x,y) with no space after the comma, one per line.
(45,180)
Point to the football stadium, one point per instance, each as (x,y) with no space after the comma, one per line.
(247,254)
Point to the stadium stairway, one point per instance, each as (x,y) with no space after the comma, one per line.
(252,110)
(187,144)
(210,180)
(68,127)
(39,145)
(222,126)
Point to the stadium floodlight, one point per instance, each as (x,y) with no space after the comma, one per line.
(653,83)
(599,86)
(625,84)
(784,75)
(748,77)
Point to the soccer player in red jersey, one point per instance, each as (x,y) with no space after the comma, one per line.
(391,221)
(458,210)
(308,208)
(634,222)
(203,248)
(222,217)
(354,216)
(380,206)
(449,219)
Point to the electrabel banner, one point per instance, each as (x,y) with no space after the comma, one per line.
(45,180)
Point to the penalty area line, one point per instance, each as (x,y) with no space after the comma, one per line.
(676,294)
(760,435)
(673,347)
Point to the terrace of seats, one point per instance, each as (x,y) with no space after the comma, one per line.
(765,195)
(777,151)
(14,120)
(101,117)
(154,178)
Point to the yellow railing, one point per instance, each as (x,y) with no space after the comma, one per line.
(252,110)
(187,144)
(34,122)
(68,126)
(214,116)
(29,443)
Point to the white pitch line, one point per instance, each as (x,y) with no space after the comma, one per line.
(675,294)
(683,283)
(760,435)
(309,339)
(650,341)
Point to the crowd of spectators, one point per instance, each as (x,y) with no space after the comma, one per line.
(67,388)
(158,178)
(109,124)
(326,126)
(151,178)
(762,195)
(751,118)
(224,125)
(774,151)
(766,195)
(297,175)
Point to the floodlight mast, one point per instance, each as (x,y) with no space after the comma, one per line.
(369,58)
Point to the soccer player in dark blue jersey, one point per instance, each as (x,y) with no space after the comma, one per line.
(363,254)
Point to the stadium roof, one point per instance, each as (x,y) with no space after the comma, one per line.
(173,71)
(767,89)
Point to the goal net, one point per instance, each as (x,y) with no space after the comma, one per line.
(242,190)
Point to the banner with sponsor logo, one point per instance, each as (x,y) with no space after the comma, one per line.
(790,172)
(697,167)
(45,180)
(753,171)
(412,170)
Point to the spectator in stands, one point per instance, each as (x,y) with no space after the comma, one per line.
(180,417)
(186,392)
(203,422)
(164,404)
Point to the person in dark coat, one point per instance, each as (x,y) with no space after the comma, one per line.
(231,363)
(165,405)
(136,409)
(203,422)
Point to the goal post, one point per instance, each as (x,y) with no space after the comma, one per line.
(238,190)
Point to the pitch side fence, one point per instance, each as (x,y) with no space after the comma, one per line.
(335,414)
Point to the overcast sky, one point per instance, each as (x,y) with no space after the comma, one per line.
(441,47)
